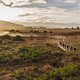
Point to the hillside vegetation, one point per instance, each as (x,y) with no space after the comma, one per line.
(35,54)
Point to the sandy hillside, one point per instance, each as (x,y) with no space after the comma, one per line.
(4,25)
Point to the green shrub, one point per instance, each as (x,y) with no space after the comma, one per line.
(3,59)
(58,54)
(31,52)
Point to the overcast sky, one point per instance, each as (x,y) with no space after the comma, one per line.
(58,11)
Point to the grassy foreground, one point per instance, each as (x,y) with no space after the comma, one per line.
(19,61)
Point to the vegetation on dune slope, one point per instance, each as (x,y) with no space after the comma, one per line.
(68,72)
(34,62)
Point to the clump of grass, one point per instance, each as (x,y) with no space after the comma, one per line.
(3,58)
(31,52)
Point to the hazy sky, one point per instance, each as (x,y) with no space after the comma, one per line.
(60,11)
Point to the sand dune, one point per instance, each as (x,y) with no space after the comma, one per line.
(4,25)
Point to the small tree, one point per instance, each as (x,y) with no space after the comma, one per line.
(77,27)
(12,30)
(31,31)
(45,31)
(18,38)
(50,32)
(72,28)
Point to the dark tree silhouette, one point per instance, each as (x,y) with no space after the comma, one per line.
(77,27)
(18,38)
(45,31)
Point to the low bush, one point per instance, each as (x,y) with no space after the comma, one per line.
(18,38)
(3,59)
(31,52)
